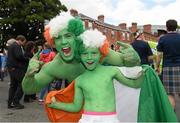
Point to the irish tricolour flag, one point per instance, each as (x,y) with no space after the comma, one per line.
(146,104)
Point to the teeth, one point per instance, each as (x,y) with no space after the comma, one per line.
(90,62)
(66,51)
(66,54)
(65,48)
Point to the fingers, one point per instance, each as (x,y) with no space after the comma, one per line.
(50,105)
(53,100)
(123,45)
(124,50)
(36,56)
(32,71)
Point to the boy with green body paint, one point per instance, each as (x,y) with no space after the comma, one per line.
(95,86)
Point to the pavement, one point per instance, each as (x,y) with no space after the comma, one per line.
(33,112)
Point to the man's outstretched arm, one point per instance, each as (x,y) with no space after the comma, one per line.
(127,56)
(35,79)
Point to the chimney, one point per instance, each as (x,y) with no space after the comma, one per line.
(147,28)
(74,12)
(101,18)
(133,27)
(122,26)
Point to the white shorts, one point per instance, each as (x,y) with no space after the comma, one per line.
(99,118)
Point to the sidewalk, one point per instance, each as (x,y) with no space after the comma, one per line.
(33,112)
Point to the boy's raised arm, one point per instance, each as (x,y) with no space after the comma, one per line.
(134,83)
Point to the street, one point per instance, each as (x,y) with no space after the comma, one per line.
(33,112)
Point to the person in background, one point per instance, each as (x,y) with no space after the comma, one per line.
(10,41)
(168,49)
(142,48)
(16,68)
(46,55)
(3,65)
(29,52)
(161,33)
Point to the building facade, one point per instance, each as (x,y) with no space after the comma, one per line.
(115,33)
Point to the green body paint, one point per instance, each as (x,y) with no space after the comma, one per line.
(95,86)
(66,66)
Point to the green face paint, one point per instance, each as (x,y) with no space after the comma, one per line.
(90,58)
(65,45)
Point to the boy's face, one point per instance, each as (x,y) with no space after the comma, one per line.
(90,58)
(65,45)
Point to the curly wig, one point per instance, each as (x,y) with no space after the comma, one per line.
(60,22)
(94,38)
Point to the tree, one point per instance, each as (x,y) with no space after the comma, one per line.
(26,17)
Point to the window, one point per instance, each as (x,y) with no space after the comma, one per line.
(128,36)
(123,35)
(112,34)
(90,25)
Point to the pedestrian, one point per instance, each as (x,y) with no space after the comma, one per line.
(46,55)
(29,52)
(16,68)
(161,32)
(3,65)
(1,73)
(142,48)
(169,51)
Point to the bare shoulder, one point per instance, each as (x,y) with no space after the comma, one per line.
(81,79)
(112,68)
(78,81)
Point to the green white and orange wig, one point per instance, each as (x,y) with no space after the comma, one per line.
(60,22)
(94,38)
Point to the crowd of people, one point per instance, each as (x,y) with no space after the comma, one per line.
(69,53)
(168,51)
(19,52)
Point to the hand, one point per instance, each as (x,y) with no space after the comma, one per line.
(130,56)
(157,70)
(53,100)
(34,66)
(53,103)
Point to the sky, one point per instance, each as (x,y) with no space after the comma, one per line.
(155,12)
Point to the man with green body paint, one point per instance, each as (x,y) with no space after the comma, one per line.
(63,34)
(95,86)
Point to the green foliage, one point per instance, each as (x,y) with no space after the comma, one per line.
(27,17)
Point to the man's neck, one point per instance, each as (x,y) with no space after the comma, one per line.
(73,61)
(171,31)
(18,43)
(97,67)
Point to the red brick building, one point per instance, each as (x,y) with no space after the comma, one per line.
(114,33)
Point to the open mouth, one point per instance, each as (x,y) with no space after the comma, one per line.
(90,63)
(66,51)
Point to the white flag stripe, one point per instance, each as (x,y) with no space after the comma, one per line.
(127,101)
